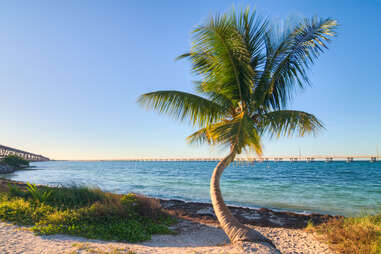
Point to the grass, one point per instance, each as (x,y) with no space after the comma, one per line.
(83,211)
(353,235)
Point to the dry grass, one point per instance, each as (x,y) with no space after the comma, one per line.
(149,207)
(358,235)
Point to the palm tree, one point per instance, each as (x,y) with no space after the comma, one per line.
(248,72)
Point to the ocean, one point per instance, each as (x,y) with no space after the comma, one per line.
(337,188)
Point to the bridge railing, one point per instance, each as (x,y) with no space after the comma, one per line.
(5,151)
(371,158)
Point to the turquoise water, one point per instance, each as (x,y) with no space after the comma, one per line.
(335,187)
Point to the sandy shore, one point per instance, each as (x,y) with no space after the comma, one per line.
(191,238)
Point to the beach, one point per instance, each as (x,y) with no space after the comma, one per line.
(191,238)
(197,231)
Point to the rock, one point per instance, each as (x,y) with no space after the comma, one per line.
(4,169)
(258,248)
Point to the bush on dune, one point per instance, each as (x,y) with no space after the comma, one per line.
(86,212)
(352,235)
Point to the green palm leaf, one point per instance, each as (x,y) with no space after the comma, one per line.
(289,122)
(220,56)
(183,106)
(289,56)
(238,133)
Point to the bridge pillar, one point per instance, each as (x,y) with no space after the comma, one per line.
(310,159)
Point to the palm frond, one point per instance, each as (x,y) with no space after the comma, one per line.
(221,57)
(289,122)
(253,28)
(251,138)
(239,132)
(216,95)
(183,106)
(200,137)
(289,56)
(223,133)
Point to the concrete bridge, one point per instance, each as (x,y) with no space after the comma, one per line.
(5,150)
(328,158)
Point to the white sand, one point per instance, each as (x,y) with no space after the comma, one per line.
(192,238)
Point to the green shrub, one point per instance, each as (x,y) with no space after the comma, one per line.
(38,194)
(83,212)
(15,161)
(23,212)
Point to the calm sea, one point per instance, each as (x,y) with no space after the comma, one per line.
(334,187)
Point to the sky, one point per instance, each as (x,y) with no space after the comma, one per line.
(71,71)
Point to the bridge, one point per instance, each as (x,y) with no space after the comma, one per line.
(328,158)
(5,150)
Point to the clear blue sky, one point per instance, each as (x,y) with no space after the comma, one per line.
(70,73)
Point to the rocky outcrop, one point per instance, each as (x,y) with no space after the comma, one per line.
(203,212)
(4,169)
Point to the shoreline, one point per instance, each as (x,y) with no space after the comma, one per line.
(196,231)
(296,211)
(298,188)
(203,212)
(263,217)
(276,210)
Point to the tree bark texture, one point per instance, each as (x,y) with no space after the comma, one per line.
(236,231)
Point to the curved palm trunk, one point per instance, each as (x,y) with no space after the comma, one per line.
(236,231)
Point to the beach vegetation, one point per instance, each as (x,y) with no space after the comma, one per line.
(15,161)
(351,235)
(85,212)
(248,70)
(74,196)
(14,191)
(38,194)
